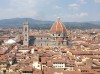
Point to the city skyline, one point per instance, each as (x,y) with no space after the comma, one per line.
(74,10)
(33,39)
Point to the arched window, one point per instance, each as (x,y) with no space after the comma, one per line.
(41,44)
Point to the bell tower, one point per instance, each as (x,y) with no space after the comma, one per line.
(26,33)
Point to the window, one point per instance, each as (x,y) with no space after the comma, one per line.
(62,42)
(41,44)
(26,35)
(47,44)
(54,38)
(58,34)
(25,39)
(63,38)
(38,66)
(25,28)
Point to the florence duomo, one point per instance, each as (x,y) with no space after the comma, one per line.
(57,36)
(34,41)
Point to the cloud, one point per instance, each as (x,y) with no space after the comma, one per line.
(19,8)
(76,5)
(43,9)
(73,6)
(82,1)
(99,15)
(26,8)
(57,7)
(80,15)
(97,1)
(83,14)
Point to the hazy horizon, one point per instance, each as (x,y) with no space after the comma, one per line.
(45,20)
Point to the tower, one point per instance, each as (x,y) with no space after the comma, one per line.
(26,33)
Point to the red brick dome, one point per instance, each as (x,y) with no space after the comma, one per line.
(58,27)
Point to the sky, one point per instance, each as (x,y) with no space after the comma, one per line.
(67,10)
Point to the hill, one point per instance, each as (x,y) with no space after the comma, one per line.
(38,24)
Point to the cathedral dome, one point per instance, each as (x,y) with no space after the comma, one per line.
(58,27)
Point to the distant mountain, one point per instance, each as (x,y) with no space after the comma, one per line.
(81,25)
(95,22)
(38,24)
(18,22)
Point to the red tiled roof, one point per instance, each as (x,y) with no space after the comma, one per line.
(58,27)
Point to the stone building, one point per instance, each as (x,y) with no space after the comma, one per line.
(57,36)
(26,33)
